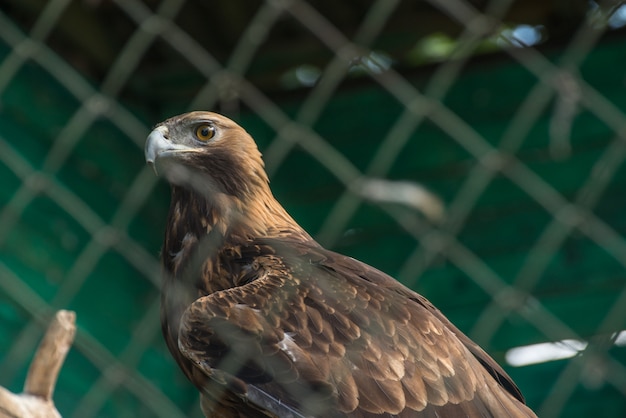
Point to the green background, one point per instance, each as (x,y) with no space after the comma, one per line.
(82,218)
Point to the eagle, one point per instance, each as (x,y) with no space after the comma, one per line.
(266,322)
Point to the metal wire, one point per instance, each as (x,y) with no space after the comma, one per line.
(225,83)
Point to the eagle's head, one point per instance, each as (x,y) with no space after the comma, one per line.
(216,172)
(208,153)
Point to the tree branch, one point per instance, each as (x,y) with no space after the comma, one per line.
(36,400)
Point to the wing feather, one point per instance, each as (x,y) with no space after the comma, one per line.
(314,324)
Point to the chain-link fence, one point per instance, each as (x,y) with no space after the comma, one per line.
(473,149)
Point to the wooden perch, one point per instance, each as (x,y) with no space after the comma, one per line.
(36,400)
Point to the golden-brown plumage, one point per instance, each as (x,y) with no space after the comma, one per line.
(266,322)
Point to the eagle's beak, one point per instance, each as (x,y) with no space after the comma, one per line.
(159,147)
(157,143)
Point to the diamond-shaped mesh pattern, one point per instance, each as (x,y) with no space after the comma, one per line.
(530,166)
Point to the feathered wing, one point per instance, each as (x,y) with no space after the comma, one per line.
(331,336)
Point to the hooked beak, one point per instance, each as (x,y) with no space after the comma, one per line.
(158,145)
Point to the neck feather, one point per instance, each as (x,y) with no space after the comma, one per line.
(255,214)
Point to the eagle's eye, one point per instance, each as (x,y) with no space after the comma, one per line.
(205,132)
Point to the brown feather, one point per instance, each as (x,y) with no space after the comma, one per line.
(266,322)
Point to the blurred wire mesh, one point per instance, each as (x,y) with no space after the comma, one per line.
(472,149)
